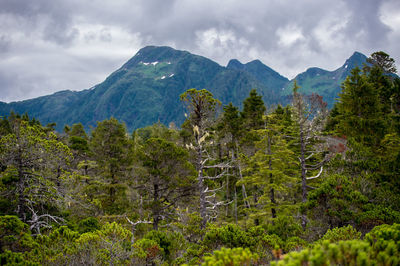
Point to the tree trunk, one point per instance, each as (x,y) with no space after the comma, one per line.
(246,203)
(303,175)
(21,188)
(156,213)
(200,180)
(235,206)
(272,191)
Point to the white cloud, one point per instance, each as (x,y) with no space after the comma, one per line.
(289,35)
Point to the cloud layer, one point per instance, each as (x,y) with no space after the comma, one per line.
(48,45)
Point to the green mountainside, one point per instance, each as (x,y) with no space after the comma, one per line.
(261,72)
(146,89)
(323,82)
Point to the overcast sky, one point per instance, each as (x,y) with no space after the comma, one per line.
(52,45)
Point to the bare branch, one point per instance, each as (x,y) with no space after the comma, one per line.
(316,176)
(216,204)
(221,165)
(212,190)
(217,176)
(308,157)
(310,187)
(318,165)
(138,222)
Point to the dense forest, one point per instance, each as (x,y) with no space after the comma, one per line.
(265,185)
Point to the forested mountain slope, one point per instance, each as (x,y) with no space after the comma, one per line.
(323,82)
(146,89)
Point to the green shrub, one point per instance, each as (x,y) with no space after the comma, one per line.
(14,258)
(89,224)
(147,251)
(230,236)
(15,235)
(170,243)
(340,233)
(231,257)
(352,252)
(380,247)
(284,227)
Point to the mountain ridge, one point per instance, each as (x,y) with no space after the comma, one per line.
(325,83)
(146,89)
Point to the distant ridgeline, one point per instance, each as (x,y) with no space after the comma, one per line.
(146,89)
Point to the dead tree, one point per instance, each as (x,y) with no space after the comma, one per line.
(310,114)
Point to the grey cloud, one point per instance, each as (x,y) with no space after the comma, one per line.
(51,18)
(5,43)
(330,32)
(366,20)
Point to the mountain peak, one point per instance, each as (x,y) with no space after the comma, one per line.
(147,50)
(357,59)
(235,64)
(357,54)
(151,54)
(256,63)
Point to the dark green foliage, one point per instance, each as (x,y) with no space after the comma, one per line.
(167,177)
(15,235)
(78,140)
(89,224)
(285,227)
(14,258)
(111,150)
(231,124)
(147,251)
(230,236)
(383,61)
(253,110)
(377,214)
(360,113)
(336,202)
(271,169)
(169,243)
(157,130)
(78,144)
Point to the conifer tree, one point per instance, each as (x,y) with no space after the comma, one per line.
(359,107)
(32,177)
(167,178)
(272,167)
(110,147)
(231,127)
(253,111)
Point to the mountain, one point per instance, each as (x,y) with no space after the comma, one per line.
(146,89)
(323,82)
(261,72)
